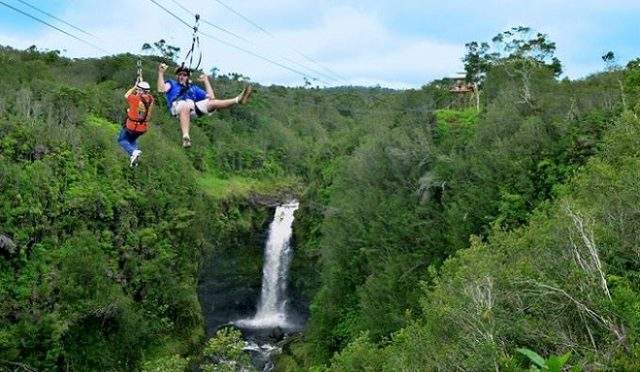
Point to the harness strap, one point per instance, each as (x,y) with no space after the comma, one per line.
(147,104)
(195,42)
(200,54)
(183,92)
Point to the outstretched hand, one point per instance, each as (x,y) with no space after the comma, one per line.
(203,78)
(163,67)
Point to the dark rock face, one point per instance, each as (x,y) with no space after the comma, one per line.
(7,246)
(277,334)
(231,276)
(230,282)
(272,201)
(228,290)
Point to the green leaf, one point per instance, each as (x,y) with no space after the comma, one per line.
(555,363)
(533,356)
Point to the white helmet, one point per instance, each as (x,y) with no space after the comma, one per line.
(143,85)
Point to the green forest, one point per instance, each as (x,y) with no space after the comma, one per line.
(435,232)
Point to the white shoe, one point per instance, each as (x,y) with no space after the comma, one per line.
(186,142)
(135,158)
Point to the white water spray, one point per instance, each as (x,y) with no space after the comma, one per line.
(272,311)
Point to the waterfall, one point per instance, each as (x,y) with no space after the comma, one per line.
(272,311)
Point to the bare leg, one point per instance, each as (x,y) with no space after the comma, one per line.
(185,120)
(215,104)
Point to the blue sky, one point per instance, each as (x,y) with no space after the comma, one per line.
(400,44)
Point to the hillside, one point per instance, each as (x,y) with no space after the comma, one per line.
(100,262)
(431,236)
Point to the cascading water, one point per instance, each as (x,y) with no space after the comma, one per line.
(272,308)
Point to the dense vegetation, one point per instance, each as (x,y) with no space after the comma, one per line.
(431,236)
(99,262)
(451,240)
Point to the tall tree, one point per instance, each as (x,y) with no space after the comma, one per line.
(161,47)
(516,45)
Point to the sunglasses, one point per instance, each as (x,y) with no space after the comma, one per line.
(183,74)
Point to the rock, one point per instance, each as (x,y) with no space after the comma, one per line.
(275,199)
(288,340)
(7,246)
(40,151)
(277,334)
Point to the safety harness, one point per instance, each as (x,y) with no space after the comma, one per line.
(182,96)
(195,44)
(138,125)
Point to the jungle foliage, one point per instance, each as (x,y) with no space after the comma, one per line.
(452,239)
(99,263)
(430,236)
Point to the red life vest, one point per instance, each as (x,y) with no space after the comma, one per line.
(139,107)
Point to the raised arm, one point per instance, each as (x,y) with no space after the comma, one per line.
(207,85)
(129,92)
(162,86)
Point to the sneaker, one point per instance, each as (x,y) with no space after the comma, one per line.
(246,93)
(186,142)
(135,158)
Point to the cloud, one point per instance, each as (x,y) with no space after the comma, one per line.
(348,40)
(358,45)
(375,42)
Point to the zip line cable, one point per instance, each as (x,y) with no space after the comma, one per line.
(245,18)
(171,13)
(58,19)
(52,26)
(233,45)
(252,43)
(211,24)
(237,47)
(254,24)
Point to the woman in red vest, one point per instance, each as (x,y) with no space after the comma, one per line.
(137,122)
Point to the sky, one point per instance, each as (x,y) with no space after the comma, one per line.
(398,44)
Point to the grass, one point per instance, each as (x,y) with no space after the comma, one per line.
(241,186)
(467,116)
